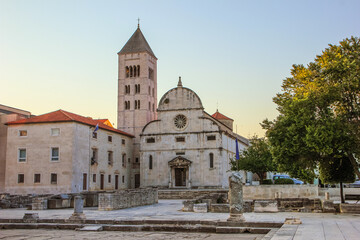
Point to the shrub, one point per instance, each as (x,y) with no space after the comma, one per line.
(284,181)
(267,182)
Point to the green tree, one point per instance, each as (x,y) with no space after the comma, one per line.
(256,158)
(319,116)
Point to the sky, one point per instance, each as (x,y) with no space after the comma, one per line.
(62,54)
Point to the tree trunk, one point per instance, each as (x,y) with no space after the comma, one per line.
(261,176)
(355,164)
(342,193)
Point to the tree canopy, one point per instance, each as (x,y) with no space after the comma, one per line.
(256,158)
(318,126)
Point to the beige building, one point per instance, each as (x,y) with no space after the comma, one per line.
(137,92)
(186,147)
(7,114)
(60,152)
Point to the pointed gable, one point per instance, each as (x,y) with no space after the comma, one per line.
(136,44)
(220,116)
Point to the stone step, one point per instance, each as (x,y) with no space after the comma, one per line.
(137,228)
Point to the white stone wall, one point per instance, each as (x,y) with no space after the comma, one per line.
(75,145)
(196,148)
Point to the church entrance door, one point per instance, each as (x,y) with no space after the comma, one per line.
(180,177)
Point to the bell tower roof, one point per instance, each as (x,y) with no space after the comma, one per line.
(137,43)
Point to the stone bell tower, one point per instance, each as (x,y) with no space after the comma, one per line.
(137,92)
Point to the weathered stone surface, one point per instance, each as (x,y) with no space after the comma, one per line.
(266,206)
(188,206)
(349,208)
(201,208)
(127,198)
(220,208)
(30,217)
(292,221)
(236,198)
(39,204)
(328,206)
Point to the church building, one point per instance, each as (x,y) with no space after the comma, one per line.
(186,147)
(176,144)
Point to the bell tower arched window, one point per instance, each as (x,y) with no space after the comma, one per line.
(131,71)
(150,162)
(211,160)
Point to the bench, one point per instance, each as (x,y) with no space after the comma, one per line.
(352,197)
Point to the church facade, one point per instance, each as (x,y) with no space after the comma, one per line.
(186,147)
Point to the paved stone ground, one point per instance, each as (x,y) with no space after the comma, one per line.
(316,226)
(72,235)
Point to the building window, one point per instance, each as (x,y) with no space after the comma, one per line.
(137,88)
(180,121)
(110,158)
(180,153)
(153,92)
(22,155)
(23,133)
(37,178)
(127,71)
(153,108)
(109,178)
(138,70)
(21,178)
(211,158)
(150,140)
(151,74)
(150,162)
(123,141)
(110,138)
(123,161)
(149,106)
(128,160)
(211,137)
(180,139)
(123,179)
(55,154)
(94,178)
(137,160)
(149,90)
(53,178)
(94,157)
(94,135)
(55,131)
(131,71)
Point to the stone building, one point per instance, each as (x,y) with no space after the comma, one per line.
(7,114)
(60,152)
(186,147)
(137,92)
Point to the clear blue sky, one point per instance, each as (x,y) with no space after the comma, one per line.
(63,54)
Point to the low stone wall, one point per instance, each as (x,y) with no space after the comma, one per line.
(335,192)
(127,198)
(16,201)
(188,193)
(280,191)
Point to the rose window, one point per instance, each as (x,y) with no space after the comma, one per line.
(180,121)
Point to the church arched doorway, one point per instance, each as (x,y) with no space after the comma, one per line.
(179,172)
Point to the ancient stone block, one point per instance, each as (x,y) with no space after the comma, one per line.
(266,206)
(220,208)
(200,208)
(349,208)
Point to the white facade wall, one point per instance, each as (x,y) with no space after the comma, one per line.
(74,142)
(196,148)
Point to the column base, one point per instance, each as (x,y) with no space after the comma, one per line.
(236,218)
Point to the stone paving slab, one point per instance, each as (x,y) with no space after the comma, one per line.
(327,226)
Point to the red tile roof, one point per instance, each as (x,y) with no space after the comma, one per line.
(219,116)
(64,116)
